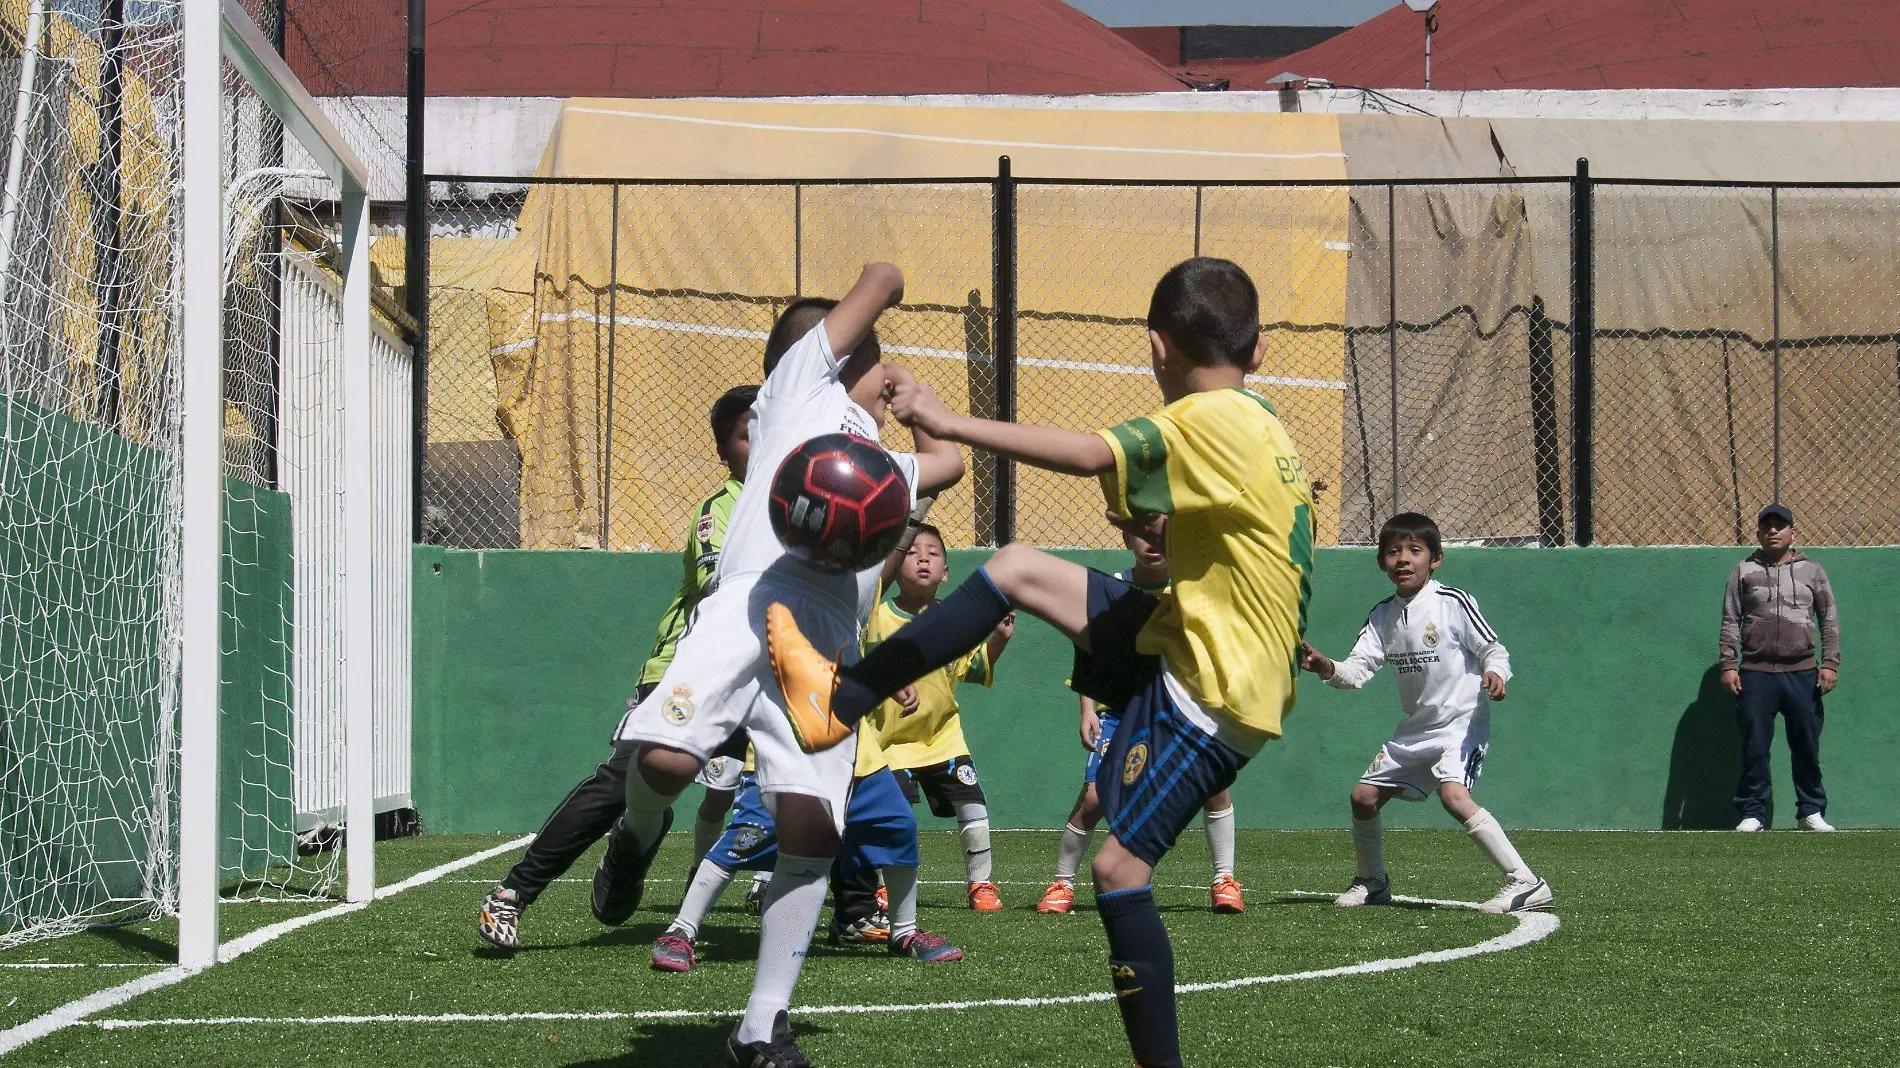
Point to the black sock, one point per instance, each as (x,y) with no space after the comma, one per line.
(951,628)
(1141,963)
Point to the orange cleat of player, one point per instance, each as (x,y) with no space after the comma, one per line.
(1226,895)
(984,898)
(1057,900)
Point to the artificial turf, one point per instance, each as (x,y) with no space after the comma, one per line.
(1675,948)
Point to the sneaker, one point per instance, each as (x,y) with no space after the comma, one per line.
(807,678)
(673,952)
(777,1052)
(1520,895)
(984,898)
(883,899)
(1364,891)
(499,920)
(621,876)
(874,929)
(755,897)
(1752,823)
(1814,821)
(926,947)
(1226,895)
(1057,900)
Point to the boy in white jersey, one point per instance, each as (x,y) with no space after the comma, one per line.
(822,376)
(1450,666)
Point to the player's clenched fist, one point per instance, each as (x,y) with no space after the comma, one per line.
(917,405)
(1315,661)
(1007,628)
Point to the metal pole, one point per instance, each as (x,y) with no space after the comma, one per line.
(798,241)
(109,195)
(1003,281)
(24,113)
(201,484)
(1431,26)
(359,554)
(1583,351)
(1392,327)
(1774,274)
(613,319)
(416,267)
(1197,219)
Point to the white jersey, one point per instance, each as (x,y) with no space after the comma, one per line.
(801,399)
(1440,646)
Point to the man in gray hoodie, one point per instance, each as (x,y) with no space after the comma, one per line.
(1776,600)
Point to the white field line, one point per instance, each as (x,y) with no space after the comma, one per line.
(902,350)
(74,1012)
(100,964)
(1531,927)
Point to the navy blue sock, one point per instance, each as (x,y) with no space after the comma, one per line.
(951,628)
(1141,963)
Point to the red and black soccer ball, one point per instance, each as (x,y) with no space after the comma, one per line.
(839,501)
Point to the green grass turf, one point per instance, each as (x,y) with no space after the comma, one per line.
(1675,948)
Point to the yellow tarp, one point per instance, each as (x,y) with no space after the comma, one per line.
(702,270)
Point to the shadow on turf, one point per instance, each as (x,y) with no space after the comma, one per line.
(1705,762)
(680,1044)
(715,941)
(138,942)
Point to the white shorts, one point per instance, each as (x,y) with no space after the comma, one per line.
(1418,774)
(722,773)
(720,681)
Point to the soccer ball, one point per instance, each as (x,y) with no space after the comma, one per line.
(840,502)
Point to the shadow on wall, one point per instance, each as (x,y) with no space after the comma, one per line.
(1705,762)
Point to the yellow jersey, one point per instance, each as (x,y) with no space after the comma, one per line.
(933,733)
(1240,548)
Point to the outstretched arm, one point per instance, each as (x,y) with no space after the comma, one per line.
(879,286)
(939,464)
(1070,452)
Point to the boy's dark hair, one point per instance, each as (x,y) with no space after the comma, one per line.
(1411,525)
(793,323)
(731,407)
(930,529)
(1209,311)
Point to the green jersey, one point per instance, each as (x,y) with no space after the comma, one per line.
(701,559)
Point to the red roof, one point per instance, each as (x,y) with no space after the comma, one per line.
(1612,44)
(723,48)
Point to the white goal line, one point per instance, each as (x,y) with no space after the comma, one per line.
(902,350)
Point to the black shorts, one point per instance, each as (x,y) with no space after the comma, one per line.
(944,785)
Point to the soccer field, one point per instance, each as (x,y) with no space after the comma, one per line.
(1677,948)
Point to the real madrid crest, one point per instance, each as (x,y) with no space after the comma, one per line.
(1137,761)
(1431,634)
(678,709)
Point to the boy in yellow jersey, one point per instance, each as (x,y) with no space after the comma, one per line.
(1150,575)
(1203,673)
(923,736)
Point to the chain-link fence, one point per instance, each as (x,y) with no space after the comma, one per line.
(1743,347)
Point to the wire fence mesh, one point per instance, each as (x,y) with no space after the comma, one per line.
(1419,346)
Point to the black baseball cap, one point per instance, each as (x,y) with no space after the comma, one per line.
(1777,514)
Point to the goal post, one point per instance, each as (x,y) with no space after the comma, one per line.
(216,32)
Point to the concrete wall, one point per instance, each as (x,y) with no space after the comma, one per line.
(525,660)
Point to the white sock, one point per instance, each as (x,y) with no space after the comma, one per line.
(646,810)
(791,914)
(1368,848)
(1220,840)
(706,834)
(1075,843)
(902,884)
(973,825)
(762,881)
(709,881)
(1490,837)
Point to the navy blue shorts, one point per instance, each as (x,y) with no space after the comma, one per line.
(1158,768)
(880,830)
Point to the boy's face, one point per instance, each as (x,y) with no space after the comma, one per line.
(864,379)
(1409,563)
(924,567)
(736,450)
(1774,536)
(1145,537)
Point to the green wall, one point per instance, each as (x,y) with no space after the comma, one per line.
(525,660)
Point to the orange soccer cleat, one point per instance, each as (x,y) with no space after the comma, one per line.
(1226,895)
(984,898)
(807,677)
(1057,900)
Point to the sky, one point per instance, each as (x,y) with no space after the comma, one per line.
(1232,12)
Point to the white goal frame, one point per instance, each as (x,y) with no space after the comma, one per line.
(214,31)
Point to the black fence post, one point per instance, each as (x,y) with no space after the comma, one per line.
(415,270)
(1774,276)
(1583,351)
(613,321)
(1543,371)
(1392,331)
(1003,282)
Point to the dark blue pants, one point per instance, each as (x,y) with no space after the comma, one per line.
(1795,695)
